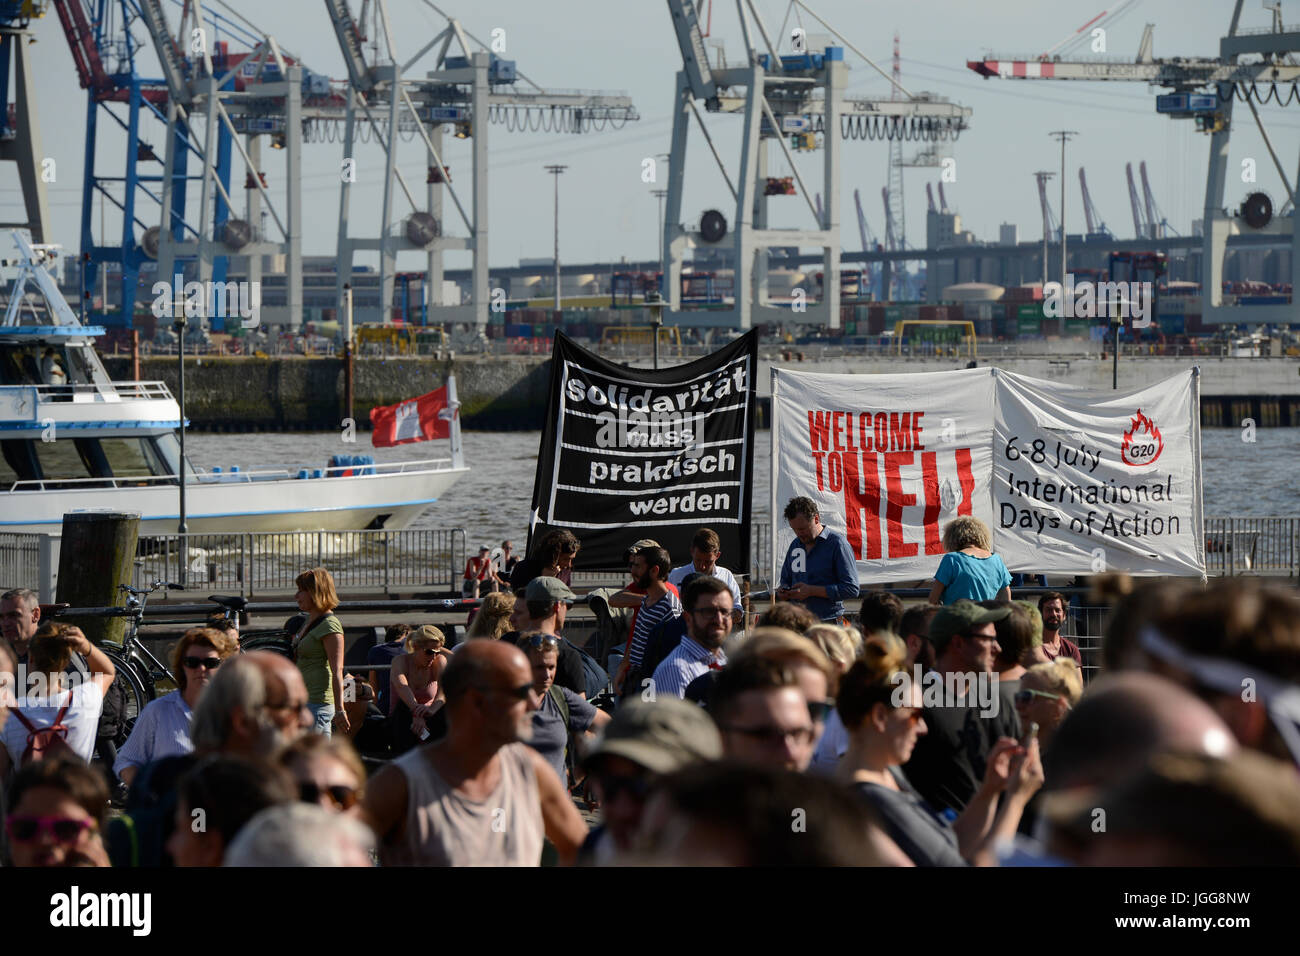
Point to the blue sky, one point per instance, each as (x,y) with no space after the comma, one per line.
(608,212)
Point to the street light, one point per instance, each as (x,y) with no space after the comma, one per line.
(660,194)
(555,170)
(1063,135)
(178,325)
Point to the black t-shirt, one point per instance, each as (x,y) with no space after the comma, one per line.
(569,671)
(950,759)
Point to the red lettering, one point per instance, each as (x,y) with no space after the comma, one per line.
(818,423)
(864,430)
(896,502)
(837,421)
(882,431)
(930,478)
(899,428)
(916,432)
(967,481)
(862,494)
(817,457)
(834,475)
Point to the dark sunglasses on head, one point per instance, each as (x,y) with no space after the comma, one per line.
(541,640)
(819,710)
(345,798)
(1027,695)
(194,663)
(62,829)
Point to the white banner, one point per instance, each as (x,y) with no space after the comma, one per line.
(1068,480)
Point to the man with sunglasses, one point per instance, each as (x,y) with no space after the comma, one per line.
(560,714)
(479,796)
(708,622)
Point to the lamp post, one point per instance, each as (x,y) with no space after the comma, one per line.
(555,170)
(1063,135)
(1115,323)
(660,194)
(178,325)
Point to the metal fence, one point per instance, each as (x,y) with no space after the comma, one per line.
(252,563)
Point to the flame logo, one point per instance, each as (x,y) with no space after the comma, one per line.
(1142,442)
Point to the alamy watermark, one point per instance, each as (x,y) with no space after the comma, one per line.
(1092,300)
(951,689)
(226,300)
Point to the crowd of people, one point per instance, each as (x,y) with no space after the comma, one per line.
(697,725)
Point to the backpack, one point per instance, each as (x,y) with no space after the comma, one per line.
(595,676)
(112,718)
(46,742)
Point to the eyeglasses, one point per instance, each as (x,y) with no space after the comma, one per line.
(819,710)
(432,651)
(345,798)
(541,640)
(519,693)
(208,663)
(774,736)
(1027,695)
(61,829)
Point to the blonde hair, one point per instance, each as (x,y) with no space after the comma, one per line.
(318,745)
(219,641)
(869,681)
(422,635)
(493,618)
(319,585)
(965,532)
(782,646)
(839,644)
(1062,676)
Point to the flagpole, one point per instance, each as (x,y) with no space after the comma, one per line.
(457,452)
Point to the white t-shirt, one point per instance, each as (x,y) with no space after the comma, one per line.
(677,575)
(82,719)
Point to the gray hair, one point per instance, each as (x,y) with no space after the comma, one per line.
(300,834)
(27,596)
(240,686)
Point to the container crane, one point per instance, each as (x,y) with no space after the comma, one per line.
(1051,229)
(1140,229)
(869,245)
(1096,228)
(466,88)
(943,200)
(1204,89)
(781,97)
(20,136)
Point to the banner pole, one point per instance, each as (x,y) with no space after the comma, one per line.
(771,479)
(457,452)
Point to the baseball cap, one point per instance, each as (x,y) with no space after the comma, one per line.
(483,549)
(662,735)
(961,615)
(644,543)
(549,589)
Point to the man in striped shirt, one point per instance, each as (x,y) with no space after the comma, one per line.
(650,568)
(707,603)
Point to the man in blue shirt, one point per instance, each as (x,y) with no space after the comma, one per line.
(819,570)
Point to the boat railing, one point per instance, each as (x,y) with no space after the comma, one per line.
(218,476)
(94,392)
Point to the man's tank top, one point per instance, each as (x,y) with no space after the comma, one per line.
(445,828)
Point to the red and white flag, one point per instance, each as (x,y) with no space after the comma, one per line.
(416,419)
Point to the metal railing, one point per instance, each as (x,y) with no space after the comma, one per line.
(260,562)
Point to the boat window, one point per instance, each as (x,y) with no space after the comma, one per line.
(169,447)
(126,457)
(20,459)
(60,460)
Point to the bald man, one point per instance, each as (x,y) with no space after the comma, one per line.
(479,796)
(255,706)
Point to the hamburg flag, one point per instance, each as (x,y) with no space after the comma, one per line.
(416,419)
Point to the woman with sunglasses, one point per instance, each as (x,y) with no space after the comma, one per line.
(57,815)
(328,772)
(1047,693)
(413,690)
(881,708)
(163,727)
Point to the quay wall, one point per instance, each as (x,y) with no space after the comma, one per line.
(509,392)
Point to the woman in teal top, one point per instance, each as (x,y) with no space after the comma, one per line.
(970,569)
(318,649)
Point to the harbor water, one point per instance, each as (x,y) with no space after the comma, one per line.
(492,503)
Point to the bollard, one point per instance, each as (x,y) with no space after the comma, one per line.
(97,554)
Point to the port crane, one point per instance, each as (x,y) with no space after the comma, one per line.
(20,135)
(1254,67)
(784,98)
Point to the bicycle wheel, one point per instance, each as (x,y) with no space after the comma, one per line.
(129,687)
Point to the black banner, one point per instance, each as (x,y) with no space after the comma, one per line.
(630,453)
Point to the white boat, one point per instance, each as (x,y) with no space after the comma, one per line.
(73,440)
